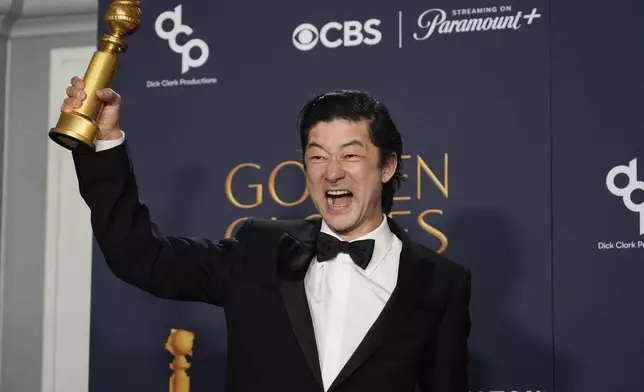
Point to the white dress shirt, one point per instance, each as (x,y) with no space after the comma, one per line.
(107,144)
(346,300)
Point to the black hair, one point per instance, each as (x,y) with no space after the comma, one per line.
(353,105)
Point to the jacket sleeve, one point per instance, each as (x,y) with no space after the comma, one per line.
(136,250)
(445,368)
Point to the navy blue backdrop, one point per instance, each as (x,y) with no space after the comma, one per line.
(512,114)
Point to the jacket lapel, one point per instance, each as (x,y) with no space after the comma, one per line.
(413,270)
(295,253)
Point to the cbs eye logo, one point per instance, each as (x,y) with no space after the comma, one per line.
(335,34)
(626,193)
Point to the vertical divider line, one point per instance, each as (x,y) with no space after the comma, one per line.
(399,29)
(552,227)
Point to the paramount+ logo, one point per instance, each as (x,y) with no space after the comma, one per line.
(335,34)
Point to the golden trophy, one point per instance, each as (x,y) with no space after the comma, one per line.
(77,130)
(179,344)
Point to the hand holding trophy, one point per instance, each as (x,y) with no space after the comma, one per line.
(108,119)
(82,120)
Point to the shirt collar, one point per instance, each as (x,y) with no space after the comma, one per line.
(382,235)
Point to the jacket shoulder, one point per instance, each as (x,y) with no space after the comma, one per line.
(441,260)
(261,240)
(256,228)
(444,268)
(448,280)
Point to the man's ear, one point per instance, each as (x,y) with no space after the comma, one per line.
(389,168)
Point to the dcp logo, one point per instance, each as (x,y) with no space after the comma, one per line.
(334,34)
(626,193)
(187,61)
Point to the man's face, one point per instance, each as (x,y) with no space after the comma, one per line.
(344,177)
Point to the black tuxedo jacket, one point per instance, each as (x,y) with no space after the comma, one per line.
(418,341)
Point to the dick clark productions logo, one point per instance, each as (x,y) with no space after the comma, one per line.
(626,193)
(187,61)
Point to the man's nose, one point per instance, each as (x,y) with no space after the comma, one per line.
(334,171)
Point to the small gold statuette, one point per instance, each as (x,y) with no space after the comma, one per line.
(77,130)
(180,344)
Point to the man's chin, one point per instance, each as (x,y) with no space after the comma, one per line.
(340,223)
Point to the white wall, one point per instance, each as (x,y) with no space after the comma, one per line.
(68,250)
(44,265)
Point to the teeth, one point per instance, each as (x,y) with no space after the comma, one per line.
(338,193)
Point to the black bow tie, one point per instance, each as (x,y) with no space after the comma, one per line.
(360,251)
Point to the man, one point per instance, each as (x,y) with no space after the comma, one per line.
(342,303)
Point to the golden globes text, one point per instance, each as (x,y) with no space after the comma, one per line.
(422,179)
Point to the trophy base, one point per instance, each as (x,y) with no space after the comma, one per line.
(74,132)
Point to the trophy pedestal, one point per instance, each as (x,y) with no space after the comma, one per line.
(75,132)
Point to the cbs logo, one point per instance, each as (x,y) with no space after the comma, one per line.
(626,193)
(187,61)
(335,34)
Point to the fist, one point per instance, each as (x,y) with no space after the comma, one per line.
(108,119)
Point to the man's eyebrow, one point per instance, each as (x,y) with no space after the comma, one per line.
(353,143)
(314,144)
(348,144)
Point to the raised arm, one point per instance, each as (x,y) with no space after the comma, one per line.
(134,248)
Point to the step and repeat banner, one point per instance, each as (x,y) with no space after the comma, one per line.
(522,127)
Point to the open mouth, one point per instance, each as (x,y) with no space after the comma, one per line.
(339,198)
